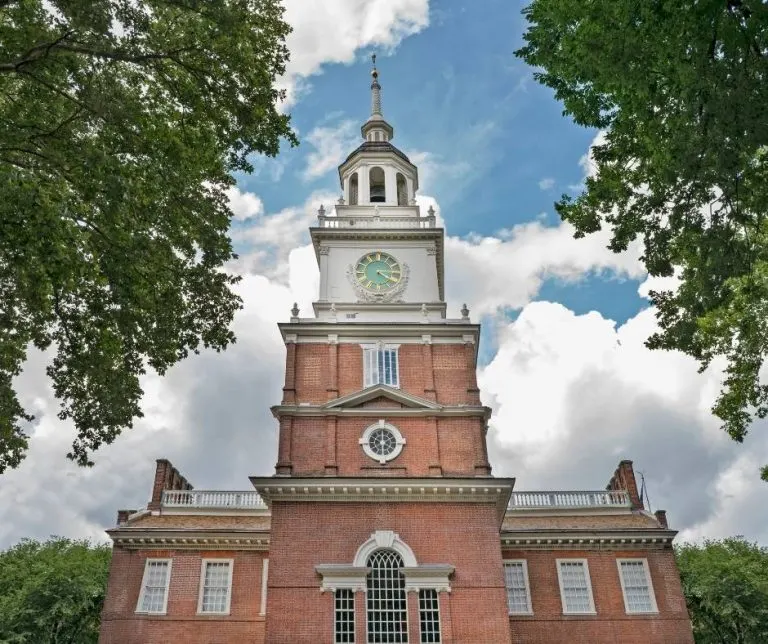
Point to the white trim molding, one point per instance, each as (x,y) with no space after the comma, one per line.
(189,539)
(354,576)
(377,490)
(384,539)
(148,563)
(564,538)
(337,576)
(365,441)
(428,577)
(230,563)
(651,594)
(523,563)
(585,567)
(264,577)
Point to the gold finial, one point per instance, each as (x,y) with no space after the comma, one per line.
(374,71)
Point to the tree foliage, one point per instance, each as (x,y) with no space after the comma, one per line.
(52,592)
(121,123)
(726,589)
(680,88)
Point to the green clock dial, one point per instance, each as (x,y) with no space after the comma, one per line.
(378,272)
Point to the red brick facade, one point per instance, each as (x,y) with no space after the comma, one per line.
(422,496)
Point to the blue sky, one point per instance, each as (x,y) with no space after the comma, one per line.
(457,91)
(563,365)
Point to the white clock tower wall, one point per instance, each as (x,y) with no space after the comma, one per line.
(421,264)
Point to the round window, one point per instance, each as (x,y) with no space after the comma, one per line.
(382,442)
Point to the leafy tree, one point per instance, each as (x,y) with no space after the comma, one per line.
(121,123)
(680,88)
(726,589)
(52,592)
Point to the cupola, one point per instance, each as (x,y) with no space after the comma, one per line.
(377,172)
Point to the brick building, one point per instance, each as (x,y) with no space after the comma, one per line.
(383,522)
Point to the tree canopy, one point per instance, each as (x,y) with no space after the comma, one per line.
(726,589)
(680,88)
(121,123)
(52,592)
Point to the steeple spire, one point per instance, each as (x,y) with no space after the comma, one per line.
(375,90)
(376,128)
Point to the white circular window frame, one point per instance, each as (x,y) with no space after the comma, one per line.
(381,458)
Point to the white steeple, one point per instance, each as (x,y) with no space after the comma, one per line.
(377,172)
(376,128)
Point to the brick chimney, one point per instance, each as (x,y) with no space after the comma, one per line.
(661,517)
(167,477)
(122,516)
(624,479)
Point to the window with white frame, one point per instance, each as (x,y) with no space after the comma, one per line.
(153,597)
(429,616)
(636,586)
(518,589)
(386,598)
(575,586)
(380,366)
(344,622)
(215,586)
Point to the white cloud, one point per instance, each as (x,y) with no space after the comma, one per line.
(508,269)
(547,183)
(244,205)
(574,394)
(331,146)
(332,31)
(273,237)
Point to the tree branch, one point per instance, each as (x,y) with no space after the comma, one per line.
(35,53)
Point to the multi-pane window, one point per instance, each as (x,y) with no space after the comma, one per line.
(386,599)
(344,604)
(575,586)
(153,597)
(429,616)
(380,366)
(518,591)
(215,586)
(636,585)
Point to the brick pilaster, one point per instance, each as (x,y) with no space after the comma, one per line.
(428,371)
(284,466)
(289,390)
(333,370)
(331,467)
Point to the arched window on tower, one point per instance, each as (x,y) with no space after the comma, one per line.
(376,178)
(402,190)
(353,190)
(386,599)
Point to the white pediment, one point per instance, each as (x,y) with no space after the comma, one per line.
(399,399)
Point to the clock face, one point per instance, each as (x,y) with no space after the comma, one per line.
(378,272)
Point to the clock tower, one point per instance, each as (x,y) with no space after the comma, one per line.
(379,258)
(382,431)
(382,522)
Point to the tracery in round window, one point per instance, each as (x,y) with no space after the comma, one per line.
(382,442)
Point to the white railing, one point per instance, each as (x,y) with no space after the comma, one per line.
(384,221)
(556,500)
(213,499)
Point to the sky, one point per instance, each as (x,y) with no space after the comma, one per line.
(562,359)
